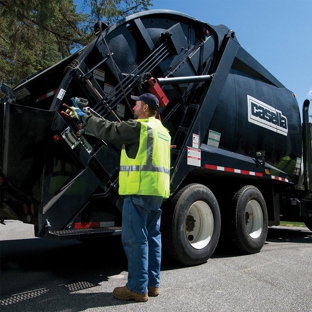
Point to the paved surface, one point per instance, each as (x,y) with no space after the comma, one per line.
(45,275)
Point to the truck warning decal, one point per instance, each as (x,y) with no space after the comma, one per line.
(266,116)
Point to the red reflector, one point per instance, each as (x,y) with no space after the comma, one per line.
(86,225)
(25,208)
(56,137)
(1,181)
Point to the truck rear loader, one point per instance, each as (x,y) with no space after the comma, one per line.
(240,154)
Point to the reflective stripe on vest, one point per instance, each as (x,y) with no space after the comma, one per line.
(159,183)
(149,166)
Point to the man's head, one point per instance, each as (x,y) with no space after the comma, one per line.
(146,105)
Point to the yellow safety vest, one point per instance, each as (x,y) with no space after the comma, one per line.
(149,172)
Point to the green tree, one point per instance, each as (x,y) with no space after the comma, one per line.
(110,11)
(35,34)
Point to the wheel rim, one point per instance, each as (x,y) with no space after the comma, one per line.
(254,219)
(199,225)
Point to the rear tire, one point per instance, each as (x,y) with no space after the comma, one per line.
(308,224)
(192,228)
(249,222)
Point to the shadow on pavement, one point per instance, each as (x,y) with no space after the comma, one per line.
(44,275)
(289,234)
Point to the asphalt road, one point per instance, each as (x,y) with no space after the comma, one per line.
(45,275)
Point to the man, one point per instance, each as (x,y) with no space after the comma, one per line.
(144,179)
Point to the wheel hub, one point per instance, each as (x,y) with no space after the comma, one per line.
(199,224)
(190,223)
(247,217)
(254,218)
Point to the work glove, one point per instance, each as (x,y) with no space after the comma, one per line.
(75,112)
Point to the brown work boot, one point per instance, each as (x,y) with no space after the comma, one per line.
(153,291)
(123,293)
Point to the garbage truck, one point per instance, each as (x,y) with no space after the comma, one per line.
(240,150)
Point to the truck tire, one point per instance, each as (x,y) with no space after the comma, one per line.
(249,222)
(192,227)
(308,224)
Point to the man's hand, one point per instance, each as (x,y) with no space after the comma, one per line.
(75,112)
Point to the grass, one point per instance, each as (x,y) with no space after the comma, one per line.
(292,223)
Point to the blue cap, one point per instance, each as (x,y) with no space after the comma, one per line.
(148,98)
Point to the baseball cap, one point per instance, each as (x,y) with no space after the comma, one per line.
(148,98)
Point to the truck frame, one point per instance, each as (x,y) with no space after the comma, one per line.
(240,156)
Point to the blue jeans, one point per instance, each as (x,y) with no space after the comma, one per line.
(141,240)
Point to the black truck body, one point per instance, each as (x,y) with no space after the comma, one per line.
(240,157)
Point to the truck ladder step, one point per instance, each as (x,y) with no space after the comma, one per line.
(85,233)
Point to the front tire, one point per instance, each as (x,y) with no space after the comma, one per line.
(193,227)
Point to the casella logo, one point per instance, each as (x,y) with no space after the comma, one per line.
(266,116)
